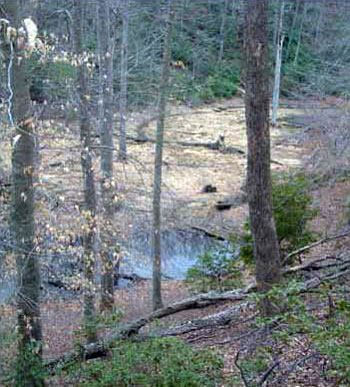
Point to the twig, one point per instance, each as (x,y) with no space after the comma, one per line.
(292,368)
(236,338)
(267,373)
(240,369)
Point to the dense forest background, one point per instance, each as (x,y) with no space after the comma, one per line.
(174,192)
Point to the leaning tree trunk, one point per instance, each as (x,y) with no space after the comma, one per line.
(22,217)
(278,65)
(106,50)
(124,80)
(266,251)
(89,180)
(157,181)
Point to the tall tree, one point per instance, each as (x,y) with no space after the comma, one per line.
(259,186)
(124,79)
(106,53)
(300,33)
(88,177)
(22,217)
(157,180)
(222,31)
(278,65)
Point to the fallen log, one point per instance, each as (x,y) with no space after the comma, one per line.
(101,348)
(216,146)
(213,321)
(208,233)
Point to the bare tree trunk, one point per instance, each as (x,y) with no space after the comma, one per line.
(106,51)
(292,29)
(89,181)
(157,182)
(266,251)
(222,32)
(278,65)
(29,361)
(1,275)
(295,62)
(124,80)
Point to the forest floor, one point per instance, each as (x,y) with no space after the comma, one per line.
(187,169)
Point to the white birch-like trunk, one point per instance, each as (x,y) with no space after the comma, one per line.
(278,65)
(124,80)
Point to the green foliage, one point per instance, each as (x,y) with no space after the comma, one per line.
(50,79)
(29,366)
(222,82)
(155,363)
(215,270)
(256,364)
(332,339)
(329,336)
(292,209)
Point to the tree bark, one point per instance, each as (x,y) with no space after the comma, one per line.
(157,181)
(89,180)
(29,361)
(259,186)
(124,80)
(222,32)
(106,50)
(291,33)
(278,65)
(297,51)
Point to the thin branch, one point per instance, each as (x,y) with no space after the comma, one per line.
(312,245)
(268,372)
(240,369)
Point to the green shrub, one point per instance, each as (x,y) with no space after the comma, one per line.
(215,270)
(332,340)
(221,82)
(155,363)
(51,79)
(292,210)
(329,336)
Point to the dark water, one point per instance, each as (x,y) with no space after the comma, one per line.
(180,250)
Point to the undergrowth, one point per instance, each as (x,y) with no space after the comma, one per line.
(166,362)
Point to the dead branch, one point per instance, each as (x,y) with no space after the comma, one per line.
(312,245)
(240,369)
(213,321)
(267,373)
(316,264)
(100,348)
